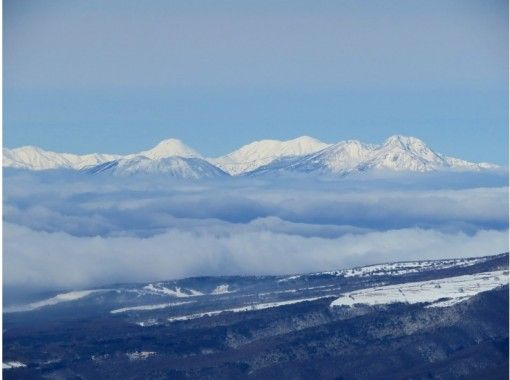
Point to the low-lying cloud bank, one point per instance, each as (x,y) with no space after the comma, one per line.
(59,260)
(149,207)
(69,231)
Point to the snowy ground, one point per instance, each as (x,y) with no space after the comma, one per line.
(59,298)
(14,364)
(149,307)
(252,307)
(440,293)
(397,269)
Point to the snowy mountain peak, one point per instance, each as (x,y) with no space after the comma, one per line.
(397,153)
(404,141)
(26,149)
(277,148)
(303,154)
(305,143)
(258,153)
(170,148)
(35,158)
(350,145)
(341,156)
(405,153)
(174,166)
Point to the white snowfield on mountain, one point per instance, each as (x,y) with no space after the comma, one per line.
(221,289)
(176,292)
(442,292)
(395,269)
(59,298)
(13,364)
(397,153)
(176,166)
(149,307)
(303,154)
(259,153)
(406,267)
(241,309)
(168,148)
(34,158)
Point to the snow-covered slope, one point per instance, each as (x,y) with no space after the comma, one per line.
(259,153)
(397,153)
(394,269)
(303,155)
(170,157)
(178,167)
(410,153)
(168,148)
(59,298)
(342,156)
(34,158)
(439,293)
(448,320)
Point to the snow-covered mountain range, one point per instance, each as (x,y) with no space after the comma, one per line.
(34,158)
(259,153)
(301,155)
(174,166)
(398,153)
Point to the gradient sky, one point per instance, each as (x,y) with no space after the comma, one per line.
(118,76)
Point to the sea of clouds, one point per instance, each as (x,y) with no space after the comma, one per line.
(70,230)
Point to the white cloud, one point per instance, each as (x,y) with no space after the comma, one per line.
(89,207)
(76,232)
(60,260)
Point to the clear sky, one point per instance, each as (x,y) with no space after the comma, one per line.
(118,76)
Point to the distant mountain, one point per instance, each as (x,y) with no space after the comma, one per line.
(168,148)
(397,153)
(178,167)
(301,155)
(260,153)
(152,160)
(170,157)
(34,158)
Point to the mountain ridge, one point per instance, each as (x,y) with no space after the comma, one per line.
(444,318)
(255,154)
(174,166)
(302,155)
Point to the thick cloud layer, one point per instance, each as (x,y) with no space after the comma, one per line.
(47,260)
(145,207)
(68,231)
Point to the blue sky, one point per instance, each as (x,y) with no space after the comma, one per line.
(119,76)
